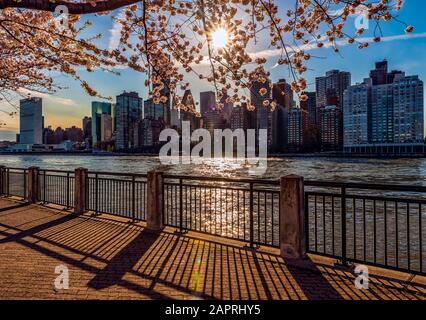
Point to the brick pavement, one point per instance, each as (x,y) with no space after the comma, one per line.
(109,258)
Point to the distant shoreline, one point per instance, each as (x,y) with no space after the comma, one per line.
(271,155)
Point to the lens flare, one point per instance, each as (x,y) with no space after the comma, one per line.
(220,38)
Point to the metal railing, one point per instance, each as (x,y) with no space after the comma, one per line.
(119,194)
(373,224)
(57,187)
(14,182)
(241,209)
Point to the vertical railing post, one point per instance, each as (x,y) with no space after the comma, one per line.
(80,186)
(154,217)
(292,217)
(68,190)
(180,206)
(44,186)
(25,183)
(133,198)
(343,224)
(2,180)
(251,216)
(96,193)
(32,186)
(8,181)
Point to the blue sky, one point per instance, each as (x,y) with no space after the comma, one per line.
(407,53)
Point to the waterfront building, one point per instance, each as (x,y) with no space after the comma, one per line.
(74,134)
(408,101)
(128,113)
(263,113)
(310,106)
(87,127)
(331,128)
(298,122)
(189,111)
(214,119)
(154,111)
(282,94)
(31,121)
(106,127)
(98,108)
(334,80)
(393,117)
(356,117)
(207,102)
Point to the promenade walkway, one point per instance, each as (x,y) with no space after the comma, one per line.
(109,258)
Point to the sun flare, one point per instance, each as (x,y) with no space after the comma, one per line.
(220,38)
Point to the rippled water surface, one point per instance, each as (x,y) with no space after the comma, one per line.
(403,171)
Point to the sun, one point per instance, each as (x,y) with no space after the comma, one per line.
(220,38)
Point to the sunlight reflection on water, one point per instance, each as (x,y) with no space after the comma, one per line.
(404,171)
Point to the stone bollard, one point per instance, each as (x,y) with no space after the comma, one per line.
(32,185)
(154,214)
(80,180)
(292,217)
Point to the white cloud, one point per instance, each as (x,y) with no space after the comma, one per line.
(50,98)
(115,32)
(340,43)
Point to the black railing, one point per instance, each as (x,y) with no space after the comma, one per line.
(14,182)
(57,187)
(241,209)
(374,224)
(381,225)
(119,194)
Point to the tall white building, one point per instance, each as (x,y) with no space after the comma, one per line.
(385,114)
(31,121)
(356,102)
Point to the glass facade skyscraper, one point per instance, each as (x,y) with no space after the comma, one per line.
(31,121)
(99,108)
(128,114)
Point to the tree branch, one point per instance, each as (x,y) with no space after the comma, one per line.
(73,7)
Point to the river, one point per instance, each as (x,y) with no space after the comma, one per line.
(402,171)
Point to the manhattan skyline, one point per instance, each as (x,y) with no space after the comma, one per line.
(67,107)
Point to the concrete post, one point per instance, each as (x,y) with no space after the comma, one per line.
(154,215)
(32,185)
(2,169)
(292,217)
(80,179)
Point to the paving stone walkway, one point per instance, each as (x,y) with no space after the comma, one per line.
(109,258)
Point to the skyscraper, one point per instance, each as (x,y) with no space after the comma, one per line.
(297,128)
(331,128)
(87,127)
(98,108)
(128,113)
(263,113)
(408,110)
(190,112)
(282,94)
(329,92)
(310,105)
(392,120)
(106,127)
(381,111)
(356,114)
(207,102)
(335,80)
(31,121)
(379,74)
(154,111)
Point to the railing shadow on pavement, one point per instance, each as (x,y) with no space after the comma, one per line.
(132,257)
